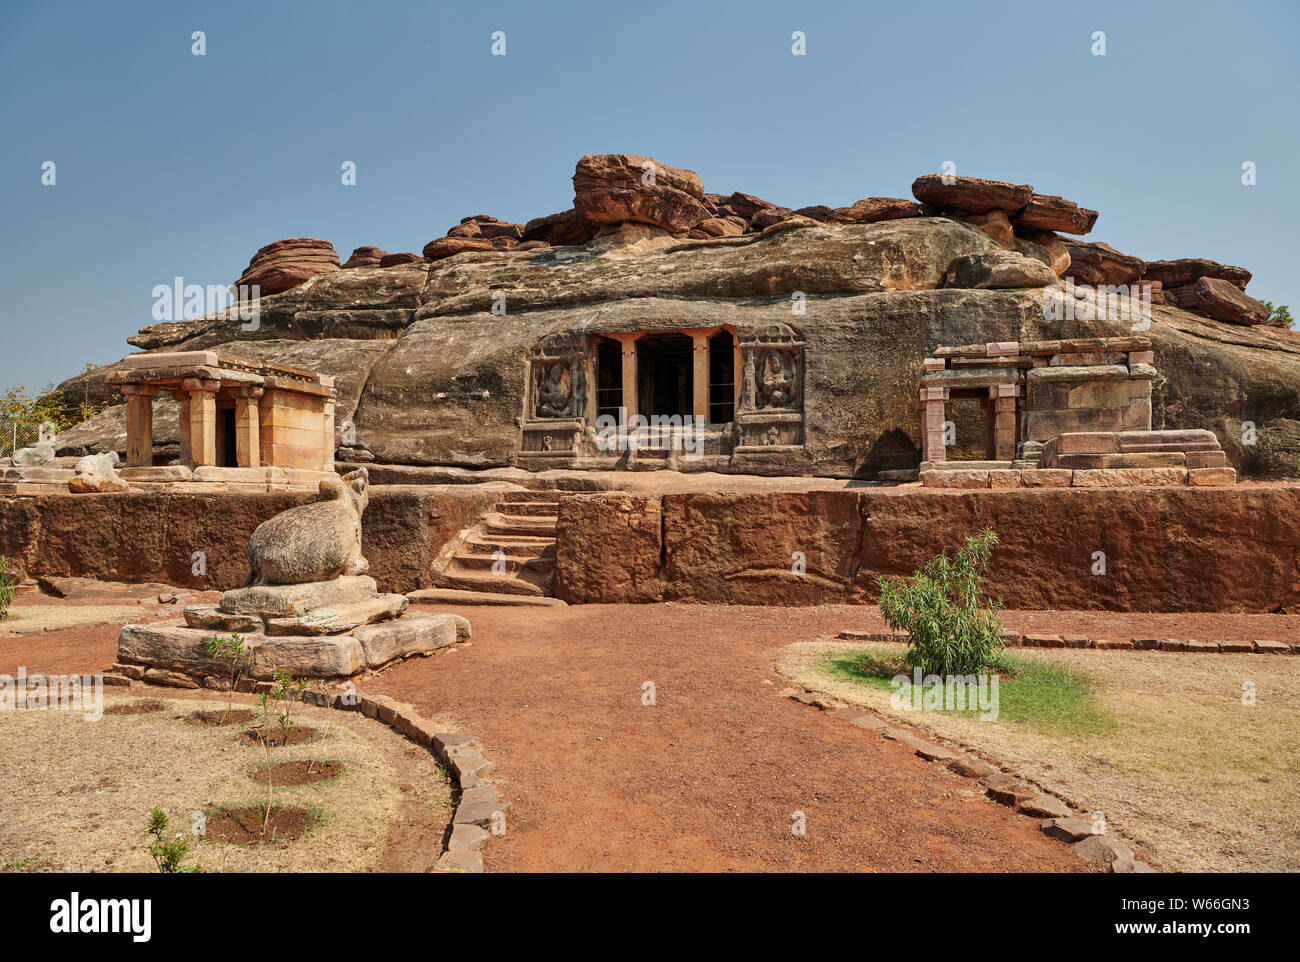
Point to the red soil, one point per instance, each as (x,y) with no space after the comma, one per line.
(707,779)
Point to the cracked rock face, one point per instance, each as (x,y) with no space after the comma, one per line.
(429,375)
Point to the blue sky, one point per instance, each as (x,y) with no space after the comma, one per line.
(171,164)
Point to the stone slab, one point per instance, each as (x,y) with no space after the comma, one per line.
(409,635)
(337,619)
(288,601)
(328,656)
(212,618)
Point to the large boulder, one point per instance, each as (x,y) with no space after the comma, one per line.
(1100,264)
(1048,212)
(998,269)
(1044,246)
(1188,270)
(441,247)
(559,230)
(365,257)
(872,209)
(971,195)
(1219,299)
(285,264)
(614,188)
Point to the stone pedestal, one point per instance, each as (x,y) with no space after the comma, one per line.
(320,630)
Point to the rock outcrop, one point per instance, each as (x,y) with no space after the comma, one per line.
(616,188)
(1220,299)
(365,257)
(287,263)
(429,374)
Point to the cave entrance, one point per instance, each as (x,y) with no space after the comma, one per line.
(664,382)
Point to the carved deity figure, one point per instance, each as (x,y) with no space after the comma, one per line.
(777,380)
(553,390)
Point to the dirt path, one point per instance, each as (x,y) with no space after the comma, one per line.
(710,776)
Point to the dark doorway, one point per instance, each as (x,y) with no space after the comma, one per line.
(226,457)
(722,378)
(664,380)
(609,378)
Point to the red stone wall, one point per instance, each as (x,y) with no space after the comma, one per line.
(1167,549)
(152,537)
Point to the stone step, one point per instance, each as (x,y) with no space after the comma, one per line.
(513,497)
(489,583)
(529,508)
(516,545)
(455,596)
(513,563)
(501,524)
(1145,459)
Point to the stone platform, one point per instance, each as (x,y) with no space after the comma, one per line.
(315,629)
(174,646)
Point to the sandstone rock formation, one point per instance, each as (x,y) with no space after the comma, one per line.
(1097,263)
(429,375)
(997,269)
(971,195)
(1219,299)
(365,257)
(287,263)
(615,188)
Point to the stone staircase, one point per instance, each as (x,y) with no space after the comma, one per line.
(508,557)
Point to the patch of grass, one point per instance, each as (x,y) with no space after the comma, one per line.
(1041,697)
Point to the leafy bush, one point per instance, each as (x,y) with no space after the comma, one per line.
(8,590)
(1280,313)
(954,628)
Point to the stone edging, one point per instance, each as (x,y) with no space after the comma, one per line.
(1014,639)
(1057,819)
(478,805)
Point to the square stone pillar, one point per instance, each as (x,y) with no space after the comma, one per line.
(737,369)
(629,374)
(248,445)
(203,420)
(327,430)
(1002,415)
(932,418)
(139,424)
(182,398)
(700,385)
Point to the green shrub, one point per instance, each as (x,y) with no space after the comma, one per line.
(8,590)
(168,854)
(954,629)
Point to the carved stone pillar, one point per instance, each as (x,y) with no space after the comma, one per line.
(700,383)
(248,447)
(932,411)
(203,420)
(629,375)
(1002,414)
(139,424)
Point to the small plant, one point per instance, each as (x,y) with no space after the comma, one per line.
(230,652)
(953,627)
(1281,314)
(168,854)
(287,690)
(8,590)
